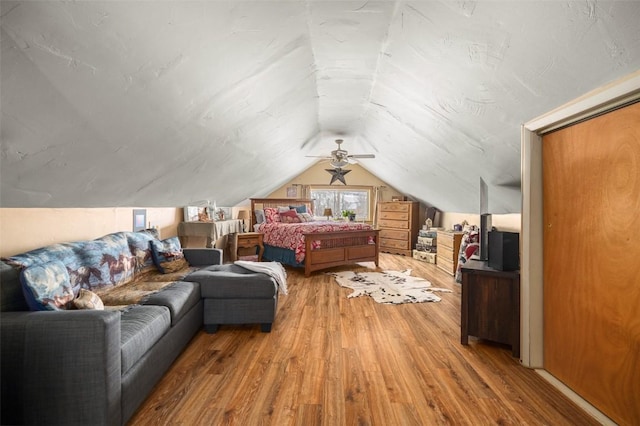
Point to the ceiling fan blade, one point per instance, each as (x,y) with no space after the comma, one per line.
(362,156)
(319,156)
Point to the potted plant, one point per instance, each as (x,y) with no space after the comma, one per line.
(349,214)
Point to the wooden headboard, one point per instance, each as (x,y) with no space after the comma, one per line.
(261,203)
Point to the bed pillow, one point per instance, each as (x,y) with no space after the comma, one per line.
(47,286)
(289,217)
(305,217)
(299,209)
(167,255)
(282,209)
(271,215)
(259,216)
(88,300)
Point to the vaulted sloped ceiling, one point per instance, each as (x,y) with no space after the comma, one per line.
(164,103)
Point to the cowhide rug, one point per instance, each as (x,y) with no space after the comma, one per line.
(394,287)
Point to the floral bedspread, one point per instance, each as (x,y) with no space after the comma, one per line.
(291,235)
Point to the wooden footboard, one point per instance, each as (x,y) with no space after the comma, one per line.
(340,248)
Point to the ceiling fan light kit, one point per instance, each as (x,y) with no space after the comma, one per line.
(340,157)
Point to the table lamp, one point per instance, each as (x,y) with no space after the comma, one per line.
(328,213)
(243,215)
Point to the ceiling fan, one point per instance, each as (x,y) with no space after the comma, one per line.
(340,157)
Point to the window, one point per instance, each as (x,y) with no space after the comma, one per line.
(356,198)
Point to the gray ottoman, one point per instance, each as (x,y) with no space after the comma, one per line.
(235,295)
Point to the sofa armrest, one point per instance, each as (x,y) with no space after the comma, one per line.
(61,367)
(203,256)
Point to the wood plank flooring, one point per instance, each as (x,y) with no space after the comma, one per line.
(330,360)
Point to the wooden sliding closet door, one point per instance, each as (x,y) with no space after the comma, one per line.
(591,181)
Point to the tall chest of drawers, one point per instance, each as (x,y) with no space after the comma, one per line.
(398,222)
(448,249)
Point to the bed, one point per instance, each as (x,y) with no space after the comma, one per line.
(314,245)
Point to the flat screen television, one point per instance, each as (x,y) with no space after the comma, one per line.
(483,236)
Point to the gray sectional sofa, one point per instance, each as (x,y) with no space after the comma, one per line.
(93,367)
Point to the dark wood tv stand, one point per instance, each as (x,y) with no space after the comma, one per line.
(490,305)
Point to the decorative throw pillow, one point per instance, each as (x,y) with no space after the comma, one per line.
(289,217)
(305,217)
(259,216)
(271,215)
(46,286)
(139,244)
(88,300)
(167,255)
(282,209)
(299,209)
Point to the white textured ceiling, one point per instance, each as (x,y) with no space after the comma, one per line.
(162,103)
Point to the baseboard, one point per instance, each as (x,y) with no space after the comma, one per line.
(577,399)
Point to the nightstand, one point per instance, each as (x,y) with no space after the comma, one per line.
(250,243)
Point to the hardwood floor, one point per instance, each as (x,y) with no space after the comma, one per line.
(330,360)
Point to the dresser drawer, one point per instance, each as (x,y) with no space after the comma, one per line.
(395,234)
(248,242)
(446,254)
(445,240)
(445,264)
(394,207)
(388,223)
(404,216)
(398,244)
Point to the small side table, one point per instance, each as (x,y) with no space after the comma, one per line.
(250,240)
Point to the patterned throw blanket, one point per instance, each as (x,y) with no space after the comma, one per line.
(393,287)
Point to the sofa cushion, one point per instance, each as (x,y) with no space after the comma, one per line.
(167,255)
(179,297)
(47,287)
(233,282)
(88,300)
(140,328)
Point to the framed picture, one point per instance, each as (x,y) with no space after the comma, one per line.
(222,213)
(191,213)
(139,219)
(292,192)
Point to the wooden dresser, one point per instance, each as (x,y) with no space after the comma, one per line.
(398,222)
(448,250)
